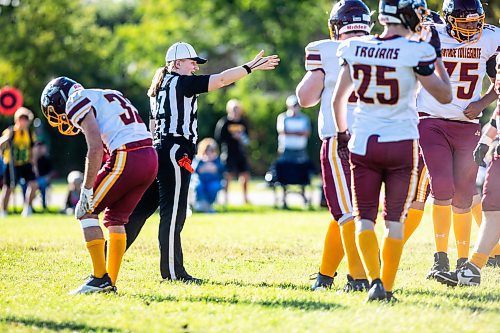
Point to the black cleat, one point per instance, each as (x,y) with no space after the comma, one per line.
(95,285)
(377,291)
(390,297)
(322,282)
(448,278)
(460,263)
(353,285)
(441,264)
(468,275)
(493,261)
(188,279)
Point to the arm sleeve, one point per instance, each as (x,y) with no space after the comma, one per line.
(425,65)
(313,58)
(194,84)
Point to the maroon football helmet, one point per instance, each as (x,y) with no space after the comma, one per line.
(464,19)
(349,16)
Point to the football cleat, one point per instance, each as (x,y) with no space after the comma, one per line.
(353,285)
(188,279)
(441,264)
(460,263)
(390,297)
(322,282)
(377,291)
(468,275)
(493,261)
(95,285)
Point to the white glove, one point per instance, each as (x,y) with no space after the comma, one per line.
(86,203)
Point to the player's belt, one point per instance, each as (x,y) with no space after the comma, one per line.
(136,145)
(426,115)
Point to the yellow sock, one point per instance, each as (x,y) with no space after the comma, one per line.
(441,217)
(391,255)
(461,226)
(96,250)
(477,212)
(412,221)
(348,233)
(367,244)
(496,251)
(479,259)
(116,249)
(332,251)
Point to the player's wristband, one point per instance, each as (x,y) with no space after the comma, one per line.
(486,140)
(248,69)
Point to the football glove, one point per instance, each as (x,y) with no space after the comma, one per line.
(343,140)
(86,203)
(435,41)
(480,152)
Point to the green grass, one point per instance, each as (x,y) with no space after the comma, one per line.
(257,266)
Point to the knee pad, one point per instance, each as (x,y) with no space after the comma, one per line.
(90,222)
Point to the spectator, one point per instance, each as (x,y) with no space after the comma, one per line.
(210,173)
(232,134)
(75,181)
(44,170)
(294,129)
(17,143)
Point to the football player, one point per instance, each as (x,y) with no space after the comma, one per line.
(385,70)
(489,232)
(348,18)
(105,117)
(449,132)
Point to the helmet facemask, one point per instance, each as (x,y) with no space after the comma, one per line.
(465,29)
(61,121)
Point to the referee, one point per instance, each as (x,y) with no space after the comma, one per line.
(173,122)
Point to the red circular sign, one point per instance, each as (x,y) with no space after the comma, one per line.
(11,99)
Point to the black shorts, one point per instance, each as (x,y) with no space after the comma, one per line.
(237,164)
(24,171)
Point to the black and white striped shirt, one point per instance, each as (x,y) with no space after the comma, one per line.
(174,109)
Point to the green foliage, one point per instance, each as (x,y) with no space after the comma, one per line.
(257,266)
(119,44)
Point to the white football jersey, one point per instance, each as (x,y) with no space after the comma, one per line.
(118,120)
(386,85)
(322,54)
(466,66)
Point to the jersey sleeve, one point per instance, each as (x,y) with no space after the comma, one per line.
(343,52)
(77,107)
(313,57)
(194,84)
(425,62)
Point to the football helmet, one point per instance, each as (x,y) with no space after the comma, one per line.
(348,16)
(409,13)
(53,102)
(464,19)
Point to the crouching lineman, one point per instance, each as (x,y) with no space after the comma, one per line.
(349,18)
(104,116)
(383,148)
(489,232)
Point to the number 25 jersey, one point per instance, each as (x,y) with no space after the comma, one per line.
(118,120)
(466,66)
(382,70)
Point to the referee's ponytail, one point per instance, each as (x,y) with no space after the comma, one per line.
(157,81)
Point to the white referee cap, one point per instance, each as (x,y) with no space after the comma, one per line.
(181,50)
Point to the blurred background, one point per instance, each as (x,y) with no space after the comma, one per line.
(119,44)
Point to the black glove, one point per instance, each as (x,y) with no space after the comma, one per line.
(434,41)
(480,152)
(342,141)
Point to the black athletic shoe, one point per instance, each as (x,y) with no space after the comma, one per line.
(95,285)
(390,297)
(188,279)
(493,261)
(468,275)
(356,285)
(441,264)
(322,282)
(460,263)
(377,291)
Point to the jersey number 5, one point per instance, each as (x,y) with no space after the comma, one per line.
(364,73)
(130,115)
(464,76)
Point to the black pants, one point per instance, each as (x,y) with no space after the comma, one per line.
(170,191)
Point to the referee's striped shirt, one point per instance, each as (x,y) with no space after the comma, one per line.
(174,108)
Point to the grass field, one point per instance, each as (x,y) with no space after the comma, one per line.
(257,265)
